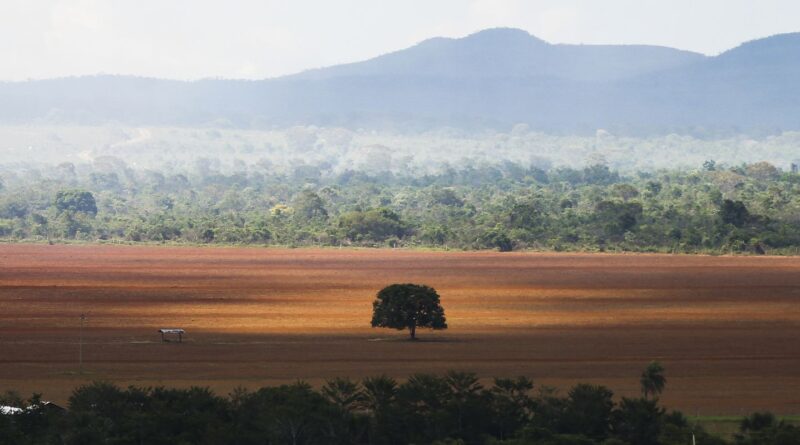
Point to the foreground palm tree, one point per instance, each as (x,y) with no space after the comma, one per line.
(653,380)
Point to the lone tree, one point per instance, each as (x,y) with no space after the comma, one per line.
(402,306)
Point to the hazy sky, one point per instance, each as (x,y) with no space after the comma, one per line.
(189,39)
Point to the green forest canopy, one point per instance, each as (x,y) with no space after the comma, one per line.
(507,206)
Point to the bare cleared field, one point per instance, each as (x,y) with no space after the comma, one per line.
(726,328)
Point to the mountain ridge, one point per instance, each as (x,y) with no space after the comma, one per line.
(495,78)
(505,44)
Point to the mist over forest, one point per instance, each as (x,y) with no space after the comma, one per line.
(334,150)
(498,140)
(315,186)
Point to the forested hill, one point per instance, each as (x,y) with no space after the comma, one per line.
(494,78)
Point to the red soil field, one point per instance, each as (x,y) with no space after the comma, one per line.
(726,328)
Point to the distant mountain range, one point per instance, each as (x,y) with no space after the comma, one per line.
(493,78)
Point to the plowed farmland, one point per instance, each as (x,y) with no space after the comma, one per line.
(726,328)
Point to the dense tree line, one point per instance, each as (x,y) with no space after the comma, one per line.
(507,206)
(455,408)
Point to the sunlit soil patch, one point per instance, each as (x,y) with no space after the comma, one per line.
(725,327)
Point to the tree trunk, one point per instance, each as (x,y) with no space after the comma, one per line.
(413,332)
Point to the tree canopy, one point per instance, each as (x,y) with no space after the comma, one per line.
(508,206)
(453,408)
(408,306)
(76,201)
(653,380)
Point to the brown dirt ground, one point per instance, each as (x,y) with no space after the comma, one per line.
(726,328)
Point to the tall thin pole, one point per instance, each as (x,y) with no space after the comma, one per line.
(80,346)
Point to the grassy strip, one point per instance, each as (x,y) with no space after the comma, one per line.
(727,426)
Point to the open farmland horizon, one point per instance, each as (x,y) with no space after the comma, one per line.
(724,327)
